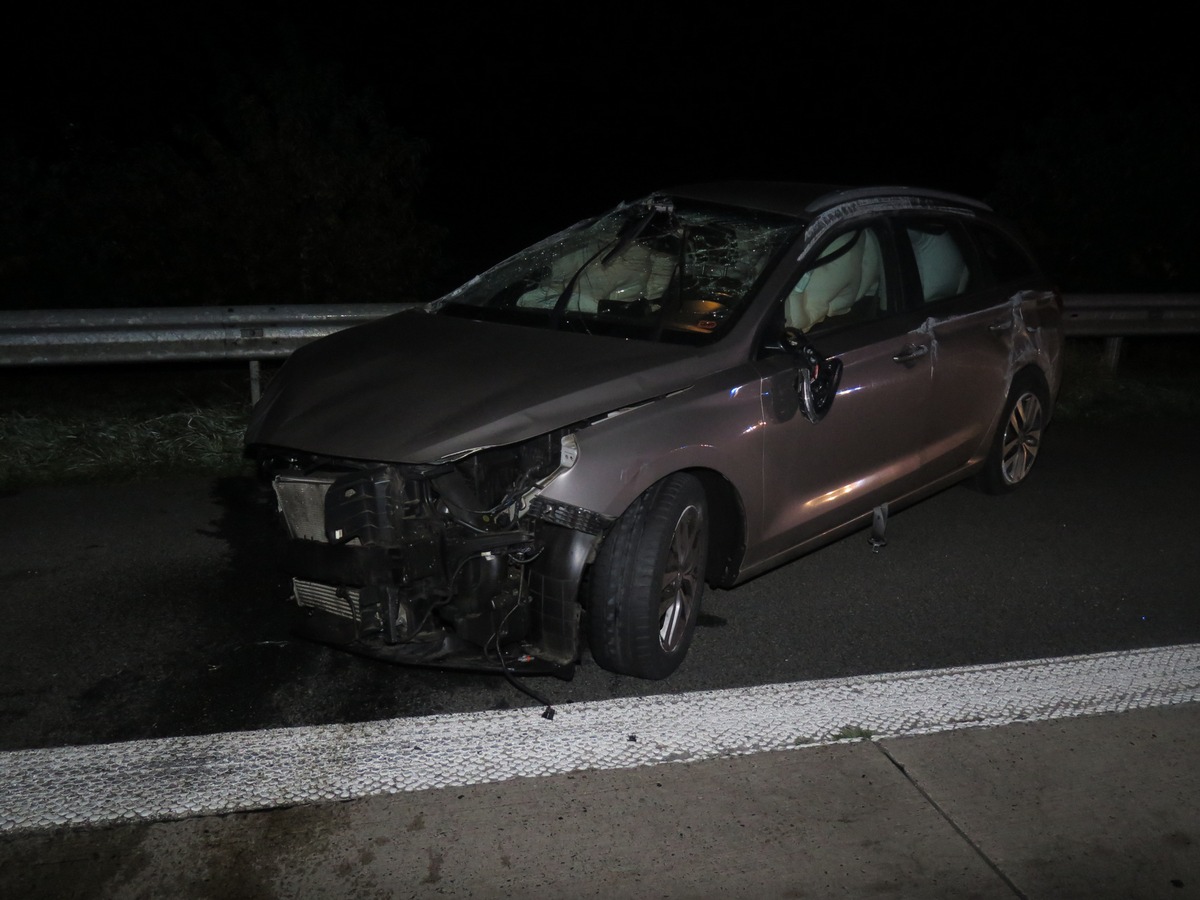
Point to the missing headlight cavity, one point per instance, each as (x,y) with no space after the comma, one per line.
(439,564)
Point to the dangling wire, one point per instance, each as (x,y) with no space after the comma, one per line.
(548,712)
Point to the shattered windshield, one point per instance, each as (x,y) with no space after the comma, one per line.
(656,269)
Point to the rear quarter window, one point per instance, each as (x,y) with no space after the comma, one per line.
(1006,259)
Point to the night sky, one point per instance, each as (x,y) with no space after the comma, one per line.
(533,120)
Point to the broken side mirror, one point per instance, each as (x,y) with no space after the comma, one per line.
(817,378)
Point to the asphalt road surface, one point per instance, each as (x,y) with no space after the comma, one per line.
(156,608)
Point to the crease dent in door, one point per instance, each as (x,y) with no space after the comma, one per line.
(1022,347)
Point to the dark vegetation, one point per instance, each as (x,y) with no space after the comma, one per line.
(264,153)
(121,423)
(1156,378)
(255,178)
(1105,190)
(190,155)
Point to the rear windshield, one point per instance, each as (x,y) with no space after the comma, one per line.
(656,269)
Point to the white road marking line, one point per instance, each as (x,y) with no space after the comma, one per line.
(174,778)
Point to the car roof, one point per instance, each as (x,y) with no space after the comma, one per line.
(804,199)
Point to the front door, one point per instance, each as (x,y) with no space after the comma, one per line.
(867,449)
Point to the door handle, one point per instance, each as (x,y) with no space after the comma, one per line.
(911,354)
(1001,326)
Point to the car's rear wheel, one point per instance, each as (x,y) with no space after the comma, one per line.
(1018,437)
(648,581)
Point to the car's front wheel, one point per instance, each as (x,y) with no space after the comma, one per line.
(1018,437)
(648,580)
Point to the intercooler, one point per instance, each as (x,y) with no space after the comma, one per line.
(342,602)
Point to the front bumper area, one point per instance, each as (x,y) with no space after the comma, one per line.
(383,566)
(323,627)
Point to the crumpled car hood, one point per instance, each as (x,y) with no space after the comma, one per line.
(415,387)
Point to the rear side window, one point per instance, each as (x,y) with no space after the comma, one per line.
(943,257)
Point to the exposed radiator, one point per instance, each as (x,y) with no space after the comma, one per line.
(302,502)
(342,602)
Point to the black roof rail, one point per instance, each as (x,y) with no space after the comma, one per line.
(846,195)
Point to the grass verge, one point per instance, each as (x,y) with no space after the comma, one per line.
(119,424)
(1156,378)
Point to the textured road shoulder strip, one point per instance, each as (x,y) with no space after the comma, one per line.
(175,778)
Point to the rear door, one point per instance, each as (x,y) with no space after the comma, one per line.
(972,323)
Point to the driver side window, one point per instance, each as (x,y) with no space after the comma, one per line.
(846,284)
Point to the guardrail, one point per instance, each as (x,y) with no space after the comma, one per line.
(175,334)
(1115,317)
(256,333)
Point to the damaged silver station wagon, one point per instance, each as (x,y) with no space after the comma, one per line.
(695,387)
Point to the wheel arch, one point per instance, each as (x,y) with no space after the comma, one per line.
(987,477)
(726,527)
(1029,371)
(727,523)
(1033,371)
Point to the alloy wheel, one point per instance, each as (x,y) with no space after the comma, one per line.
(681,579)
(1022,438)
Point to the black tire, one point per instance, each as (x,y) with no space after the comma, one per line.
(1018,437)
(648,581)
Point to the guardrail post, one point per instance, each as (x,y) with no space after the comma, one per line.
(255,381)
(1112,352)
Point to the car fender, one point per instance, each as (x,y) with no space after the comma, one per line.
(714,425)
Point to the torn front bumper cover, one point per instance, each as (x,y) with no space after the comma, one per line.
(412,566)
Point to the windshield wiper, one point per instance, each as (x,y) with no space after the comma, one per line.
(654,208)
(560,305)
(677,278)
